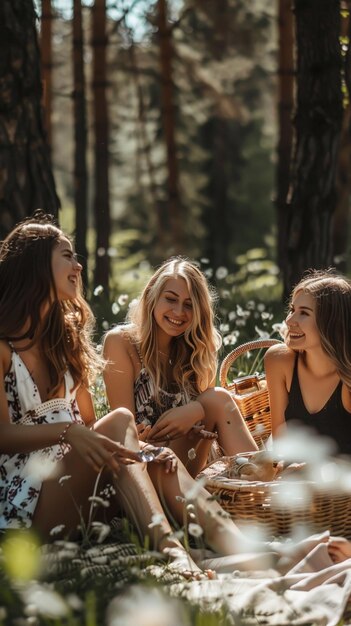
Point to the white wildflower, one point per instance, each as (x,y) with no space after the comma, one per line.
(101,251)
(262,333)
(64,478)
(190,507)
(224,328)
(98,290)
(281,328)
(112,252)
(56,530)
(97,501)
(115,308)
(156,520)
(105,325)
(204,261)
(195,530)
(47,602)
(74,602)
(123,299)
(191,454)
(102,531)
(221,272)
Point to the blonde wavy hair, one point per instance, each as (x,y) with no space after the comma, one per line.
(65,332)
(194,353)
(331,293)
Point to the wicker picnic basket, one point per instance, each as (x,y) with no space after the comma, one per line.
(250,392)
(280,505)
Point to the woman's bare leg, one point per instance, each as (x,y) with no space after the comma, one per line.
(220,532)
(67,502)
(221,416)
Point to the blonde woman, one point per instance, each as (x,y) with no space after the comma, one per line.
(162,365)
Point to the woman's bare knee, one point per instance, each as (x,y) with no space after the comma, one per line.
(119,425)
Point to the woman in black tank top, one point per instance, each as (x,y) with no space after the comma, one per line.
(309,376)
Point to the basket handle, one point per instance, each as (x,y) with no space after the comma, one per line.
(234,354)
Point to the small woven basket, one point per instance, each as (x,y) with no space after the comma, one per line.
(250,392)
(279,505)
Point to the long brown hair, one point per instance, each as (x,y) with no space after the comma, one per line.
(331,293)
(194,354)
(64,331)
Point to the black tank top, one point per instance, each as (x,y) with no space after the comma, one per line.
(332,420)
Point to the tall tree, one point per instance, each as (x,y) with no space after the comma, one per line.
(285,109)
(26,180)
(343,179)
(317,124)
(46,63)
(80,137)
(168,117)
(101,147)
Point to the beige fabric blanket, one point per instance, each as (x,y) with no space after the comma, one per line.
(314,591)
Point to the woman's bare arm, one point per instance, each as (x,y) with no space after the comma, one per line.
(278,364)
(119,372)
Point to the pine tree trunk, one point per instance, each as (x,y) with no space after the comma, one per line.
(26,180)
(285,109)
(343,178)
(317,124)
(46,63)
(169,125)
(101,149)
(80,137)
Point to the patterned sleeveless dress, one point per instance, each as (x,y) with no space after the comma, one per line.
(22,474)
(147,410)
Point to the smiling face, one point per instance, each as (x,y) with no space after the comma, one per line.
(173,311)
(303,333)
(65,270)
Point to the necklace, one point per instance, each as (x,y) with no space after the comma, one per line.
(170,362)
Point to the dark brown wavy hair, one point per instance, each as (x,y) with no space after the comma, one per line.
(64,332)
(332,296)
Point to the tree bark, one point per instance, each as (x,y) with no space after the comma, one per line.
(46,64)
(101,149)
(285,109)
(168,115)
(343,177)
(26,180)
(317,125)
(80,139)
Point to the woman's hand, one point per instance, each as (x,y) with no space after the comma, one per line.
(176,422)
(143,431)
(170,426)
(162,455)
(200,431)
(99,451)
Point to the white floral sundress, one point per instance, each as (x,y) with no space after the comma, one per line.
(21,477)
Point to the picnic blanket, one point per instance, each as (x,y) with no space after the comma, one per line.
(314,591)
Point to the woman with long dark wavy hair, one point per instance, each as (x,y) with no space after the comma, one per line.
(309,376)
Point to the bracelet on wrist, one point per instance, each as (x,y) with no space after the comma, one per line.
(62,437)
